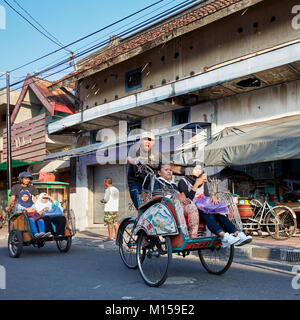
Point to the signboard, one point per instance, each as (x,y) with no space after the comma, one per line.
(28,139)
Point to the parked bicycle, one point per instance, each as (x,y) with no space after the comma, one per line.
(279,221)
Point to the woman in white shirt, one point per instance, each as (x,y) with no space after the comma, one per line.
(111,208)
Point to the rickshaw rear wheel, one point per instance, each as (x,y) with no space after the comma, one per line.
(64,245)
(154,255)
(127,244)
(15,243)
(216,260)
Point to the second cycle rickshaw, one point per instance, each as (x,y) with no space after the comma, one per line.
(20,233)
(148,241)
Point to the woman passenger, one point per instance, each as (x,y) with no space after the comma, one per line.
(189,208)
(194,186)
(52,212)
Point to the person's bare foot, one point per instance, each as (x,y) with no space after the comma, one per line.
(108,239)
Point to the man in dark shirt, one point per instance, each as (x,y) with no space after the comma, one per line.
(142,150)
(25,179)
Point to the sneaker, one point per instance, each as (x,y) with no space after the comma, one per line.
(48,235)
(243,239)
(229,239)
(39,235)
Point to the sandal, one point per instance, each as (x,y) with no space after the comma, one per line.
(108,239)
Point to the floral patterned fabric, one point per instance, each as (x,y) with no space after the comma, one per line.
(192,217)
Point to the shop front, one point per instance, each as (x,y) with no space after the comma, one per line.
(266,159)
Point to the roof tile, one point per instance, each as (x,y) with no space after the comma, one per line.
(153,34)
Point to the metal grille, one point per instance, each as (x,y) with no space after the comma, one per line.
(234,215)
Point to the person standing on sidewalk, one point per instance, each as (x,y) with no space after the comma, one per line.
(111,208)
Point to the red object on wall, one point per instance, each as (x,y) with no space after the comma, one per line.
(46,177)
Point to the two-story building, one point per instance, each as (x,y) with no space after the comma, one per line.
(217,64)
(34,109)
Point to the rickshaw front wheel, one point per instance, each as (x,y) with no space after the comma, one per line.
(15,243)
(154,255)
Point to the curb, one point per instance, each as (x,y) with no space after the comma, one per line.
(272,254)
(248,251)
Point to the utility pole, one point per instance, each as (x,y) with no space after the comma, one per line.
(8,135)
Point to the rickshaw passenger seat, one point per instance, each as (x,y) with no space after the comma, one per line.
(202,224)
(54,227)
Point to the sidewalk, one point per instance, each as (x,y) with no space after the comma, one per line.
(262,247)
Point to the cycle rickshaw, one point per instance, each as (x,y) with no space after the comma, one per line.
(19,229)
(147,242)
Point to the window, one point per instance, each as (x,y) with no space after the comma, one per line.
(133,79)
(94,136)
(181,116)
(134,127)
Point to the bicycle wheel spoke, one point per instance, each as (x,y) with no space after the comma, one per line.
(153,255)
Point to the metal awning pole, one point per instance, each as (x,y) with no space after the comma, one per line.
(8,135)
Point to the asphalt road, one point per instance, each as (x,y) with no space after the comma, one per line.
(91,272)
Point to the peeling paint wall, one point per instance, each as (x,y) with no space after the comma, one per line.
(259,27)
(258,105)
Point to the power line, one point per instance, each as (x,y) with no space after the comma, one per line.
(40,58)
(113,32)
(50,34)
(85,37)
(20,14)
(130,30)
(67,60)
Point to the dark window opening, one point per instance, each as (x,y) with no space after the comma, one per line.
(133,79)
(250,82)
(181,116)
(134,126)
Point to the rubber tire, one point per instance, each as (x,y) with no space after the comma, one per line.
(222,271)
(66,248)
(19,246)
(268,215)
(140,261)
(121,230)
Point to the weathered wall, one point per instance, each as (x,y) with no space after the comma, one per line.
(262,26)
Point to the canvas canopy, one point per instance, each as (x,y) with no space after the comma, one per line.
(272,140)
(15,164)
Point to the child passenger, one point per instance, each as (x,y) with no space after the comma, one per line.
(37,224)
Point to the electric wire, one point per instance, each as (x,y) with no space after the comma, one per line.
(85,37)
(49,33)
(136,27)
(44,34)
